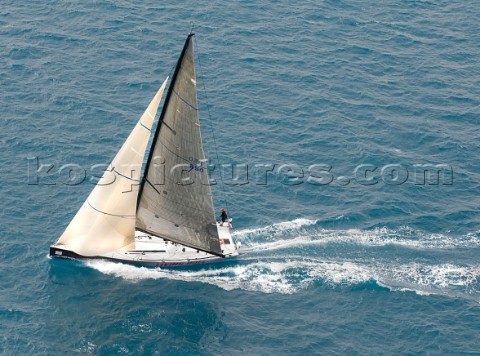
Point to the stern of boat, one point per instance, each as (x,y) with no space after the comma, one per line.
(228,245)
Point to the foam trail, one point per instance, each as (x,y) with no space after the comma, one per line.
(262,277)
(306,232)
(289,269)
(289,275)
(274,229)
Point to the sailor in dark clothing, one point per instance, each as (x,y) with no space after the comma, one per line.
(224,216)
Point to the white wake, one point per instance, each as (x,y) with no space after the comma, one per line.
(288,272)
(305,232)
(290,276)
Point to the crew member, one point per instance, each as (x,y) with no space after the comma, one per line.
(224,216)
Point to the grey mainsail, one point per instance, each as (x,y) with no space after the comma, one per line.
(175,200)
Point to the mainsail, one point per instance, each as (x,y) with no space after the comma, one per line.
(106,221)
(175,200)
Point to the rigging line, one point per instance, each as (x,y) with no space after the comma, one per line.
(148,129)
(105,213)
(124,176)
(211,128)
(186,102)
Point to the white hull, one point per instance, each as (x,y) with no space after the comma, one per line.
(154,251)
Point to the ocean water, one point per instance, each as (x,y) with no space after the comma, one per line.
(375,262)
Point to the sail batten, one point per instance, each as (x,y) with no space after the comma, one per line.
(175,198)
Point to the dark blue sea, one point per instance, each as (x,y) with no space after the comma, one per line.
(359,216)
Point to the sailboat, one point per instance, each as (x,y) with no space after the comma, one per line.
(165,218)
